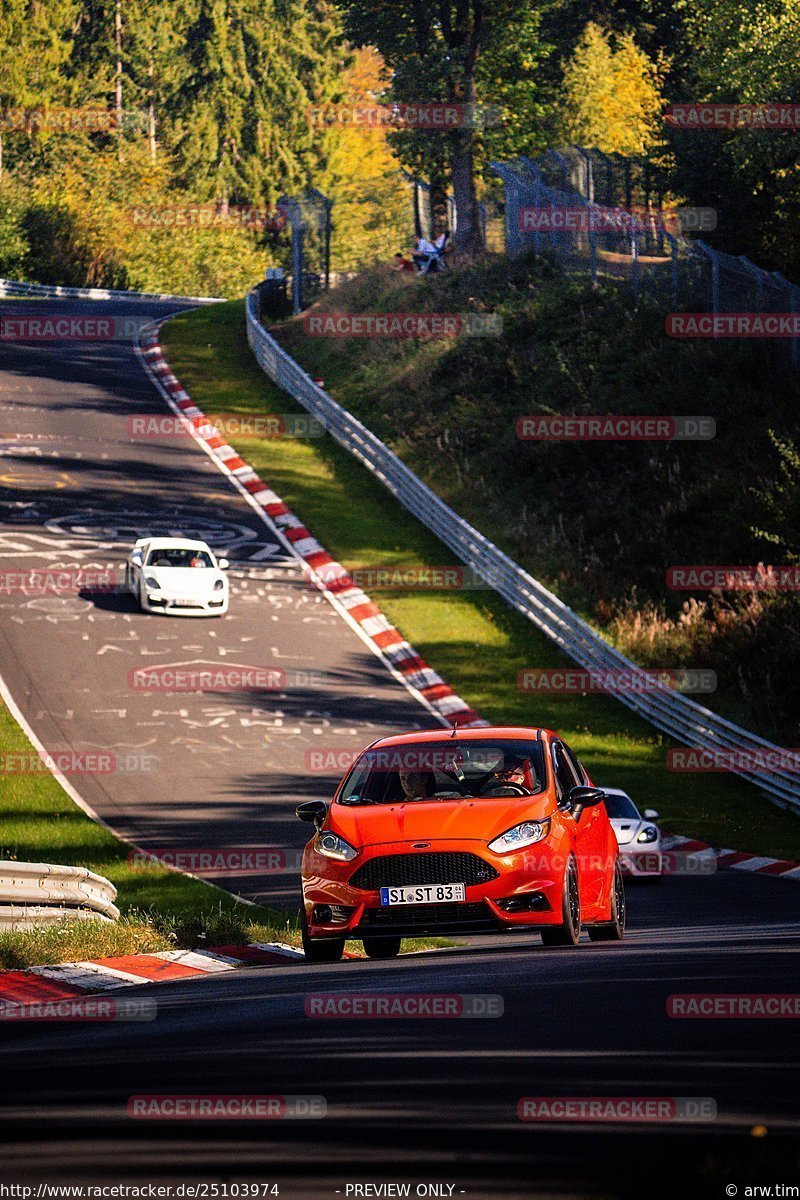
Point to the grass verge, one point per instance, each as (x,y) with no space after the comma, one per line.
(161,909)
(474,640)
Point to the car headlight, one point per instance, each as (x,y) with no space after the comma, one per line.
(218,585)
(648,834)
(152,583)
(332,846)
(520,836)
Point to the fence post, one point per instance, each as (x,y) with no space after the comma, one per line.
(673,245)
(327,207)
(793,292)
(609,177)
(758,275)
(417,216)
(589,174)
(292,209)
(712,258)
(562,162)
(592,251)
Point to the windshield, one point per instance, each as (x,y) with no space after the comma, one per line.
(179,557)
(619,807)
(446,770)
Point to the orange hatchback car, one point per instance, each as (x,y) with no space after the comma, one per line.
(479,831)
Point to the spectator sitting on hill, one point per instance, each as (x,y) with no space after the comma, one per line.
(403,264)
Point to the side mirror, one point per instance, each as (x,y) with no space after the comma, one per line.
(582,797)
(312,811)
(223,564)
(650,814)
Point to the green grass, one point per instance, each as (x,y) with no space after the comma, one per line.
(160,908)
(473,639)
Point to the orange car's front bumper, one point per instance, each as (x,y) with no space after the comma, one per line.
(525,891)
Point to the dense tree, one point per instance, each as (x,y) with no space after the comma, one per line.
(437,51)
(372,212)
(612,99)
(748,53)
(35,46)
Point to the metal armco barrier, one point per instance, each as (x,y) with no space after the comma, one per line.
(675,714)
(12,287)
(39,893)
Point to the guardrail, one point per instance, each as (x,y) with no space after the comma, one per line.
(673,713)
(38,893)
(12,287)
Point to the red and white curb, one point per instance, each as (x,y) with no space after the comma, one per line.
(63,981)
(328,575)
(733,860)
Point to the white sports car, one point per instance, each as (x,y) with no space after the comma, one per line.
(639,839)
(178,576)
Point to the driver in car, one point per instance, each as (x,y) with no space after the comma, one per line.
(416,785)
(510,780)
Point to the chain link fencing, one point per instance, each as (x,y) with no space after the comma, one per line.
(604,215)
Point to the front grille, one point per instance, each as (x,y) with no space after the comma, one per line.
(428,916)
(400,870)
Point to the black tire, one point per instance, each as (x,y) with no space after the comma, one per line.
(569,931)
(320,950)
(388,947)
(614,930)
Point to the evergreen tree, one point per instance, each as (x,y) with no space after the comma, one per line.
(35,46)
(213,103)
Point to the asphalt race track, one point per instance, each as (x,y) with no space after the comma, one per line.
(434,1098)
(442,1093)
(194,770)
